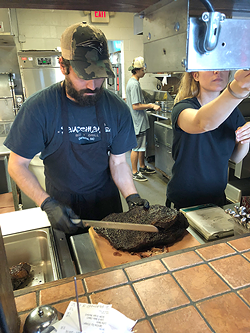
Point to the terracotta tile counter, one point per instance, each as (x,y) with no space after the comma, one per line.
(201,289)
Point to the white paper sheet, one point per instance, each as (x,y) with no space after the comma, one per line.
(95,318)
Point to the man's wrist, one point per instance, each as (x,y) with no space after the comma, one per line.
(48,199)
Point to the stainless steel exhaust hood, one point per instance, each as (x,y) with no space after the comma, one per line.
(6,33)
(190,35)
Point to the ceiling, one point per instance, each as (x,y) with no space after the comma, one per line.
(133,6)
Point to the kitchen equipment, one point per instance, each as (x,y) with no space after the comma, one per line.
(165,101)
(241,219)
(117,225)
(115,84)
(210,221)
(5,181)
(39,69)
(34,247)
(41,318)
(150,147)
(7,97)
(9,322)
(163,135)
(184,35)
(84,253)
(239,173)
(77,303)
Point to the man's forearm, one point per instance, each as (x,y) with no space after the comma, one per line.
(27,182)
(122,177)
(139,106)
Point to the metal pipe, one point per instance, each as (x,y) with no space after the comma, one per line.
(77,303)
(208,5)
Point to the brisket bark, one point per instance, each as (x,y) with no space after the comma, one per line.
(172,227)
(19,273)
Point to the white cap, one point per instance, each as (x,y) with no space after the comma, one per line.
(137,63)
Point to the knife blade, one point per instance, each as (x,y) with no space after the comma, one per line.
(116,225)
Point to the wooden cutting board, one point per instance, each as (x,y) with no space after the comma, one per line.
(110,257)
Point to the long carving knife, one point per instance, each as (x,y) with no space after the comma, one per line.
(116,225)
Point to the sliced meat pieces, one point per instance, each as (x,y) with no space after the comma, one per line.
(19,273)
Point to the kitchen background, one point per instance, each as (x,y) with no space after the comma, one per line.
(30,29)
(25,32)
(37,29)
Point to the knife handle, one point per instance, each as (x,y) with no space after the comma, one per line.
(78,221)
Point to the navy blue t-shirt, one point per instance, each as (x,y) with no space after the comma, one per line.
(38,125)
(200,171)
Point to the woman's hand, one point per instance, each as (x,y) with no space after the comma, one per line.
(241,82)
(243,133)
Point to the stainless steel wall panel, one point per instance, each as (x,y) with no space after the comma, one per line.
(163,148)
(37,79)
(39,69)
(171,33)
(5,89)
(163,133)
(166,55)
(165,35)
(6,109)
(231,52)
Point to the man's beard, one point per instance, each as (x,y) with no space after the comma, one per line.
(78,95)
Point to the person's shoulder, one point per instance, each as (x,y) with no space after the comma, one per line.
(182,105)
(187,103)
(193,101)
(43,101)
(133,82)
(112,97)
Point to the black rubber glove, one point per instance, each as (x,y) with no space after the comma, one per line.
(136,200)
(60,215)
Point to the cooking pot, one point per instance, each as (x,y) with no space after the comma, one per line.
(41,318)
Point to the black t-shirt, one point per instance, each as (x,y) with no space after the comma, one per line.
(200,170)
(38,125)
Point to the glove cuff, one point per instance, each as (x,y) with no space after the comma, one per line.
(132,196)
(49,199)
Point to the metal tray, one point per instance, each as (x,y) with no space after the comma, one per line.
(35,248)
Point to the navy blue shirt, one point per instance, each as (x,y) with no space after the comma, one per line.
(38,125)
(200,171)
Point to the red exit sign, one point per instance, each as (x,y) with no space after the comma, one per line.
(100,14)
(99,17)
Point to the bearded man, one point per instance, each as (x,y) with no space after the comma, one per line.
(82,131)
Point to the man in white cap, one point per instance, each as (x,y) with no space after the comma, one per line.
(137,105)
(82,131)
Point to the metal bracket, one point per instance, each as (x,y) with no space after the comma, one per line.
(209,31)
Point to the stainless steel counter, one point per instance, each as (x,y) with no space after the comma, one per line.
(161,115)
(3,150)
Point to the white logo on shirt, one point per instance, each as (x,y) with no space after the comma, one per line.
(84,129)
